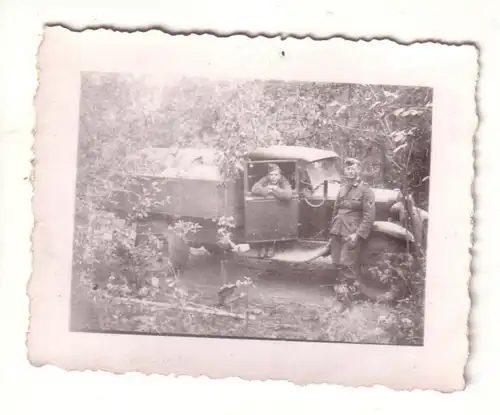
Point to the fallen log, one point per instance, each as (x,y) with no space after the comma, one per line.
(198,308)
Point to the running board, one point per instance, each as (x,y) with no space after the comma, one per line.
(297,253)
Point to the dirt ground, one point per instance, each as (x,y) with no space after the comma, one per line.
(283,302)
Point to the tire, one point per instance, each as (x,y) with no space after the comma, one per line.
(375,248)
(379,244)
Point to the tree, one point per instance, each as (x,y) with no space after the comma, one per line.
(388,127)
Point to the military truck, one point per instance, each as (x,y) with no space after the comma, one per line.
(188,185)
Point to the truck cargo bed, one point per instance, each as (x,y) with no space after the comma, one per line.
(179,197)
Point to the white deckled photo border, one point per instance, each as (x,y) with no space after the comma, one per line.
(452,73)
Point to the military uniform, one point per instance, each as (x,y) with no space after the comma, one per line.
(353,213)
(283,190)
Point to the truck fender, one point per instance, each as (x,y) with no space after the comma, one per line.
(393,230)
(323,251)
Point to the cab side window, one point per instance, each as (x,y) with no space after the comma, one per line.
(262,172)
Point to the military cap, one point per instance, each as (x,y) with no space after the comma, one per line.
(274,167)
(352,162)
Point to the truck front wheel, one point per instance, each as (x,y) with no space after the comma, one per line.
(386,267)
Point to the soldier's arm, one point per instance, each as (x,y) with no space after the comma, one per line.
(336,202)
(368,218)
(260,188)
(283,192)
(335,207)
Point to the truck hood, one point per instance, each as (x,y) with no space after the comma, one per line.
(381,195)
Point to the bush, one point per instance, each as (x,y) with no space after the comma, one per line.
(387,127)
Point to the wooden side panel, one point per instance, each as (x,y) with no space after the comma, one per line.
(154,195)
(232,202)
(193,198)
(198,198)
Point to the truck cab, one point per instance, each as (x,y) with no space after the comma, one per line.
(164,186)
(300,224)
(314,177)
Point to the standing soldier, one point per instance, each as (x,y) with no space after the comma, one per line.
(352,220)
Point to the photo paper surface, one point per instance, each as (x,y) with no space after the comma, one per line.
(227,207)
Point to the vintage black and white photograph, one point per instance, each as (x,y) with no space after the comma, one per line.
(251,208)
(207,206)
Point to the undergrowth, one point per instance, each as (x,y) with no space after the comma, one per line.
(123,288)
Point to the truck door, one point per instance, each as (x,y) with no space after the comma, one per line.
(267,218)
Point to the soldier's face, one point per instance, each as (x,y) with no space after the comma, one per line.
(351,171)
(274,177)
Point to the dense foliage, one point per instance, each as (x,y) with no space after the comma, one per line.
(387,127)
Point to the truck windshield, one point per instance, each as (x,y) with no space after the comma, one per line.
(321,170)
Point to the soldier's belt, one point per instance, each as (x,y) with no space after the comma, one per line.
(347,211)
(344,222)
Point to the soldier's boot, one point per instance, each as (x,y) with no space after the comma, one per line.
(349,273)
(344,273)
(342,300)
(347,285)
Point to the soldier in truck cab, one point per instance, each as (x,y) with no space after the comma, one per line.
(273,184)
(352,220)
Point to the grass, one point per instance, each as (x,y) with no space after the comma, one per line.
(277,308)
(364,322)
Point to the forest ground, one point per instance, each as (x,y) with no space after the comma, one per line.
(387,127)
(284,302)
